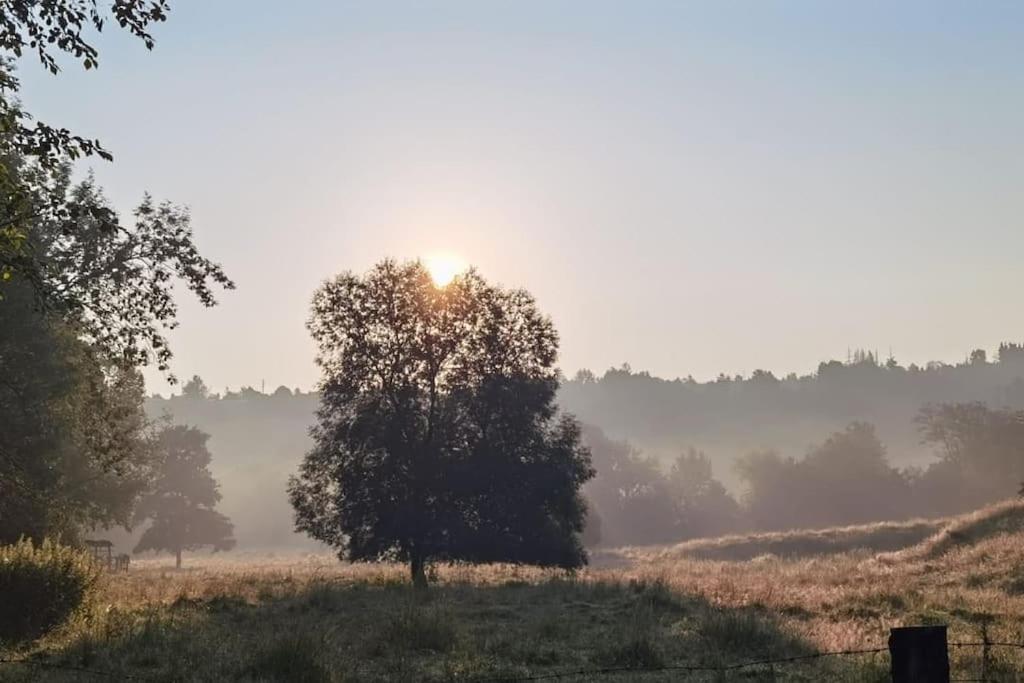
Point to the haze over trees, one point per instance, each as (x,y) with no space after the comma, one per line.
(733,415)
(260,437)
(179,504)
(981,455)
(847,479)
(437,436)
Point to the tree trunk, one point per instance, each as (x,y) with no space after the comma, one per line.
(177,559)
(417,568)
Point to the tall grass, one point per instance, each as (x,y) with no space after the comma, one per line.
(324,620)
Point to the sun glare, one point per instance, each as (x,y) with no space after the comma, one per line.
(443,267)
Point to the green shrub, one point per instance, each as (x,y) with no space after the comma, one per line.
(41,587)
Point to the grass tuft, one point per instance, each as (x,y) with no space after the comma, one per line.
(419,627)
(292,658)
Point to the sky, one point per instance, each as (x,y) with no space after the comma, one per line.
(689,187)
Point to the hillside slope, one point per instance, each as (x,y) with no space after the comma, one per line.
(920,538)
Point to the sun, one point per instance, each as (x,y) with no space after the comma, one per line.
(443,266)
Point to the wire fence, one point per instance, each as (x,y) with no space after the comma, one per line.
(680,668)
(676,669)
(71,668)
(683,669)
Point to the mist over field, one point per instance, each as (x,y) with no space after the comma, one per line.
(259,438)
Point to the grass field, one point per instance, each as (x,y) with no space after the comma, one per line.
(313,619)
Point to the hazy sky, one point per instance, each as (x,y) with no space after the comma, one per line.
(689,187)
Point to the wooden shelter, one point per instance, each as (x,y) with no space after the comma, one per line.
(103,553)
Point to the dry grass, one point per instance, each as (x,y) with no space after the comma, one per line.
(311,618)
(878,537)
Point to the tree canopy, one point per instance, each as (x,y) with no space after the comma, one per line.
(437,436)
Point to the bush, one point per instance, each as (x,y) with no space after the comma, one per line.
(41,587)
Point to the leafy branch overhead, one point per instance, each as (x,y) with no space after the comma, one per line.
(115,280)
(112,280)
(51,28)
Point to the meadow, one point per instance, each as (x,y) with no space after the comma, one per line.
(312,618)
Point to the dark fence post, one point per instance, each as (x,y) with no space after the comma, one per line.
(984,650)
(919,654)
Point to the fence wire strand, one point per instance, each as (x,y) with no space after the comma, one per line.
(554,675)
(678,668)
(77,669)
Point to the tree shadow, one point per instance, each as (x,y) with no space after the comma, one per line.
(383,630)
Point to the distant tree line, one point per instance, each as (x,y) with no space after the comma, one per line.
(846,479)
(751,467)
(732,415)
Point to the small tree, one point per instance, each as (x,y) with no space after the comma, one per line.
(438,436)
(180,505)
(705,506)
(195,388)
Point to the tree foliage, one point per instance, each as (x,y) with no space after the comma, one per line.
(72,447)
(630,494)
(113,281)
(705,508)
(50,28)
(981,453)
(731,416)
(437,435)
(180,504)
(64,240)
(195,388)
(845,480)
(638,502)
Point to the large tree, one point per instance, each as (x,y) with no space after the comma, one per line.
(85,296)
(70,394)
(437,435)
(180,505)
(73,452)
